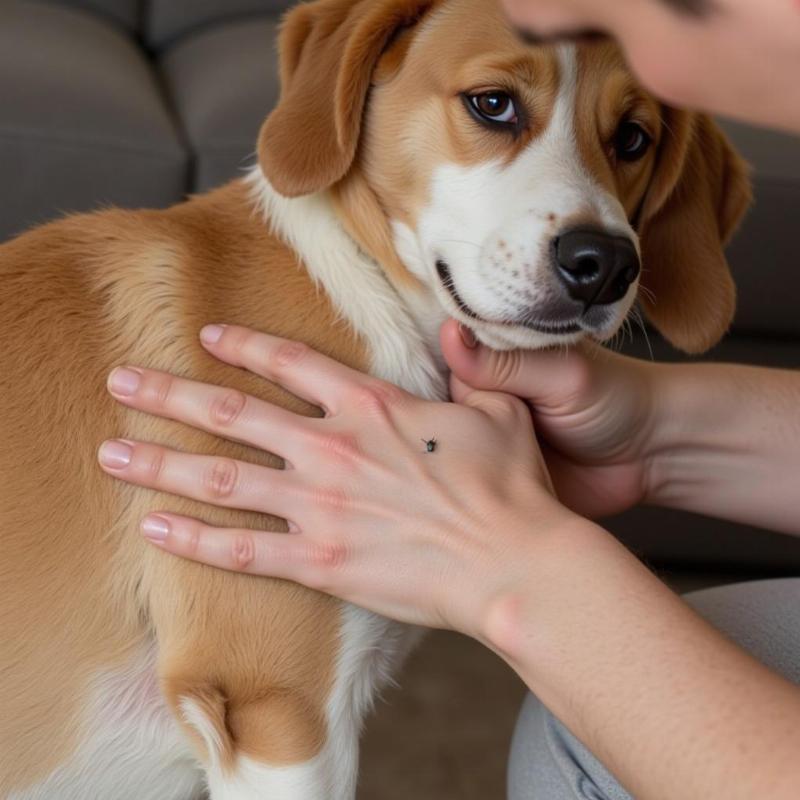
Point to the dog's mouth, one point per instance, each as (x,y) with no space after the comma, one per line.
(540,326)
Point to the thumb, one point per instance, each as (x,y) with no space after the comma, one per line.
(543,377)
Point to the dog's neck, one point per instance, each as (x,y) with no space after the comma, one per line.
(383,303)
(363,217)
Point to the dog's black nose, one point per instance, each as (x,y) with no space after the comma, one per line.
(595,267)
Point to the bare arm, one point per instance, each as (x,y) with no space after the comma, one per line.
(727,443)
(668,704)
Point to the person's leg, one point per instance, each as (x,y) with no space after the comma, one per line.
(548,763)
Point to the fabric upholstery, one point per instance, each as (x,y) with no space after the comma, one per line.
(83,121)
(223,82)
(763,255)
(169,20)
(123,12)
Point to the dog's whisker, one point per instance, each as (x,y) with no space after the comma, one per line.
(648,293)
(637,316)
(628,327)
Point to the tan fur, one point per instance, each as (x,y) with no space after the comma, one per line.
(687,218)
(329,50)
(609,94)
(417,121)
(692,189)
(81,591)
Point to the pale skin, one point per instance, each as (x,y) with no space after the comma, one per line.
(491,533)
(740,60)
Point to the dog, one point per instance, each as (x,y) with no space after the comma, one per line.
(423,162)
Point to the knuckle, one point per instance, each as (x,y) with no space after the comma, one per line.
(287,354)
(235,340)
(153,463)
(331,499)
(226,408)
(221,478)
(343,446)
(243,550)
(192,546)
(160,390)
(377,398)
(507,367)
(328,555)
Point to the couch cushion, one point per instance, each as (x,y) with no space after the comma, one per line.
(83,121)
(223,82)
(168,20)
(762,255)
(123,12)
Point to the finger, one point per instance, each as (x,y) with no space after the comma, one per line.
(210,479)
(279,555)
(295,366)
(218,410)
(544,377)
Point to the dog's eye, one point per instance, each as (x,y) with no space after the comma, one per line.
(495,107)
(631,141)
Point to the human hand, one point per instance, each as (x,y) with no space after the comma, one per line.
(594,412)
(375,518)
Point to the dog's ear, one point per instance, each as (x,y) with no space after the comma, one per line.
(697,197)
(328,51)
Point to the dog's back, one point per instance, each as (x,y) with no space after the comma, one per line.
(247,666)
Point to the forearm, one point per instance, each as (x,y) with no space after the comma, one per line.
(726,443)
(668,704)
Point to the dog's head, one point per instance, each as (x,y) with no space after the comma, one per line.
(535,191)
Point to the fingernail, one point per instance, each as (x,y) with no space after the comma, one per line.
(124,381)
(211,334)
(155,528)
(467,336)
(115,454)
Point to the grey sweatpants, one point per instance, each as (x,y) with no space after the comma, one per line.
(548,763)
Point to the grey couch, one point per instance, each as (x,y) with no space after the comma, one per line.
(140,102)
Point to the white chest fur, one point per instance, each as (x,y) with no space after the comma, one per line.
(356,286)
(134,750)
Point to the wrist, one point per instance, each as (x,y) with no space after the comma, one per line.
(539,581)
(684,413)
(702,415)
(725,443)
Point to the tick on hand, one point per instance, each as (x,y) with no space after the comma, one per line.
(430,445)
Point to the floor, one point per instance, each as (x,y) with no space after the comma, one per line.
(444,732)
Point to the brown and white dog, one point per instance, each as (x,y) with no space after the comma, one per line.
(423,162)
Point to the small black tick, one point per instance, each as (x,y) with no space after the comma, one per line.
(430,445)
